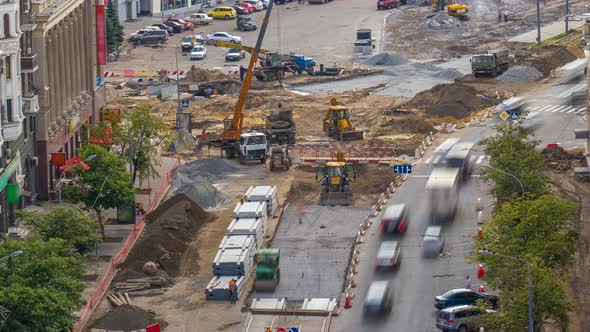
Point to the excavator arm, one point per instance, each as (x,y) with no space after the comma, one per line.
(233,125)
(248,49)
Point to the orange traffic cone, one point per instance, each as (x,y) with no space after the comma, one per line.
(481,289)
(479,233)
(347,301)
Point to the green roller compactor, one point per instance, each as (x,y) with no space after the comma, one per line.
(268,272)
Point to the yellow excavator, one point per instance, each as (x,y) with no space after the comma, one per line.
(452,8)
(337,123)
(335,177)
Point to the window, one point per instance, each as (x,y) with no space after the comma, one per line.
(8,67)
(25,131)
(9,110)
(6,25)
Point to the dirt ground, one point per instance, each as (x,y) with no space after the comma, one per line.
(450,37)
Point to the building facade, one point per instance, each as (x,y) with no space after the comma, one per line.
(67,81)
(127,10)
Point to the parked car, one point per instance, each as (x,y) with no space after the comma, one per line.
(265,3)
(246,23)
(394,219)
(200,19)
(460,318)
(233,54)
(224,12)
(199,52)
(432,243)
(379,298)
(387,4)
(240,10)
(225,37)
(462,296)
(187,43)
(186,24)
(177,27)
(388,256)
(152,37)
(257,4)
(135,35)
(245,5)
(163,26)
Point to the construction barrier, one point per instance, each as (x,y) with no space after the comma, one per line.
(105,280)
(404,177)
(431,136)
(428,141)
(354,154)
(397,181)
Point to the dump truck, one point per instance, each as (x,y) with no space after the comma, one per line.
(273,66)
(280,127)
(337,123)
(335,177)
(493,63)
(268,273)
(279,158)
(443,187)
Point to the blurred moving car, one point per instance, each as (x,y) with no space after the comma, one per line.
(388,255)
(379,298)
(224,37)
(199,52)
(432,244)
(224,12)
(462,296)
(233,54)
(461,318)
(394,219)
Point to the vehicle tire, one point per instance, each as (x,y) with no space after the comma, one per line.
(227,17)
(462,328)
(232,41)
(310,70)
(263,160)
(379,8)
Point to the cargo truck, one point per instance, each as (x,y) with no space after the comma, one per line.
(443,187)
(493,63)
(460,157)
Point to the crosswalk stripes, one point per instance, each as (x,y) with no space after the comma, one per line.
(557,109)
(433,160)
(572,90)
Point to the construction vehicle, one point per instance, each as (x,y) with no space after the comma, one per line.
(233,142)
(452,8)
(335,177)
(245,23)
(493,63)
(337,123)
(280,127)
(268,273)
(279,158)
(443,186)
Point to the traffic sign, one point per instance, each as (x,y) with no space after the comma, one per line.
(293,329)
(402,169)
(514,115)
(504,115)
(184,103)
(98,80)
(267,329)
(280,329)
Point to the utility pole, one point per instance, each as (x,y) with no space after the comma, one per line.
(539,22)
(179,109)
(567,13)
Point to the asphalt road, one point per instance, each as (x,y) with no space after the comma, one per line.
(418,280)
(325,32)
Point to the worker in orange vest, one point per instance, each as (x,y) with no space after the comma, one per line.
(230,286)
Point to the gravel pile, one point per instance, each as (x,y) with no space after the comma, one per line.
(126,318)
(521,74)
(448,74)
(440,21)
(386,59)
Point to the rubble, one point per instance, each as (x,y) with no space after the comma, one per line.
(557,158)
(126,318)
(521,74)
(386,59)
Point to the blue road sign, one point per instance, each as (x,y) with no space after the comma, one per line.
(402,169)
(184,103)
(98,80)
(293,329)
(514,115)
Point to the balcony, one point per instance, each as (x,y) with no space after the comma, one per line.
(11,130)
(28,63)
(28,21)
(30,104)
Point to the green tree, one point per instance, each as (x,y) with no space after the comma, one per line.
(41,287)
(143,132)
(105,185)
(69,224)
(513,151)
(114,29)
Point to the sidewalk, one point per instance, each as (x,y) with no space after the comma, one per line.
(547,31)
(101,265)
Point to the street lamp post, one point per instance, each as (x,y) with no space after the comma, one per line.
(530,283)
(62,176)
(506,173)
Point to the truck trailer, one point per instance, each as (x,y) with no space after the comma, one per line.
(443,187)
(493,63)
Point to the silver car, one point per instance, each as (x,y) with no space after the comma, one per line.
(432,244)
(379,298)
(388,256)
(459,318)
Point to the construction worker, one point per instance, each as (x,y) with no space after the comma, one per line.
(242,72)
(234,292)
(467,284)
(505,12)
(230,287)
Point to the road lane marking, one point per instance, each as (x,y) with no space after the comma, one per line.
(558,109)
(572,90)
(547,108)
(565,110)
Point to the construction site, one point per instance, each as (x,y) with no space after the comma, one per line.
(326,158)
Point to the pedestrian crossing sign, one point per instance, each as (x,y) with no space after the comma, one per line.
(514,115)
(504,115)
(184,103)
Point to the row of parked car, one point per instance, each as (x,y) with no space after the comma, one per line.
(241,7)
(160,32)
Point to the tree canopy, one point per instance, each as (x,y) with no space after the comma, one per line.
(114,29)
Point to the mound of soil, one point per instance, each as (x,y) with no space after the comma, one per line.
(169,230)
(407,124)
(456,100)
(126,318)
(386,59)
(521,74)
(544,59)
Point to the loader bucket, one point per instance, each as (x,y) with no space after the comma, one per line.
(335,198)
(351,135)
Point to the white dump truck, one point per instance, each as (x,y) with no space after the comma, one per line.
(443,187)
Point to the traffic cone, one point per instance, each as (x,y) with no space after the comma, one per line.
(480,271)
(347,302)
(481,289)
(479,233)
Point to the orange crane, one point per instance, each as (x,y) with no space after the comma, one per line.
(231,143)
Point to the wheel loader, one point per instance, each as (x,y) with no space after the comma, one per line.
(337,123)
(335,177)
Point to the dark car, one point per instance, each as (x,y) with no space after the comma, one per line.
(176,27)
(241,10)
(379,298)
(395,219)
(152,37)
(462,296)
(163,26)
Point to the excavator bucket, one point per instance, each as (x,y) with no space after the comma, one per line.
(335,198)
(352,135)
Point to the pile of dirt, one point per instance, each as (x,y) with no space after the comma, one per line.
(448,74)
(521,74)
(456,100)
(545,58)
(126,318)
(169,230)
(196,180)
(557,158)
(386,59)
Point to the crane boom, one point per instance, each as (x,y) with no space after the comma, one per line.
(248,49)
(233,130)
